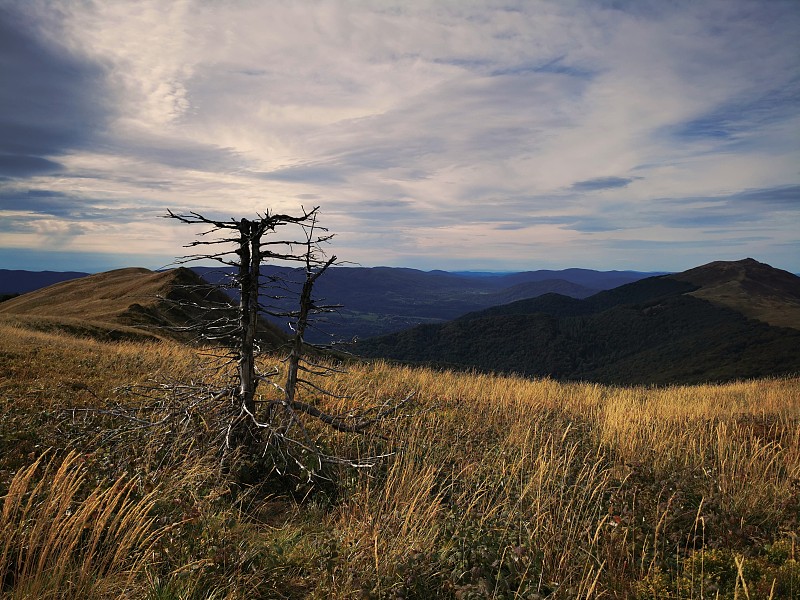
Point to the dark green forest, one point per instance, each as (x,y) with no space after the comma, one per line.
(649,332)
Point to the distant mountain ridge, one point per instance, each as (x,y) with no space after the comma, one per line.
(378,300)
(721,321)
(14,281)
(699,325)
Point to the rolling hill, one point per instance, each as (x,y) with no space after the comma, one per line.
(130,303)
(752,288)
(718,322)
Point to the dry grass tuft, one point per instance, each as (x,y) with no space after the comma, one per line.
(58,544)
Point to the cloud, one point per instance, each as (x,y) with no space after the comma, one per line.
(754,210)
(21,165)
(428,132)
(40,202)
(50,100)
(320,175)
(601,183)
(735,120)
(559,66)
(781,197)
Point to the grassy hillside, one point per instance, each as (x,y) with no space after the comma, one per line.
(132,303)
(499,487)
(736,284)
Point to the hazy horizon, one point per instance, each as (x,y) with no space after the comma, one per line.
(478,272)
(490,135)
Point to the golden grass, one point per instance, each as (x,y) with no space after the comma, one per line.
(499,487)
(57,544)
(99,297)
(565,471)
(54,369)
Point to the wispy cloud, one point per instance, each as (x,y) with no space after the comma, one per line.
(23,165)
(601,183)
(452,135)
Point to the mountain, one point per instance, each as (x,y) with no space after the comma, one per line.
(751,288)
(380,300)
(20,282)
(126,303)
(588,278)
(721,321)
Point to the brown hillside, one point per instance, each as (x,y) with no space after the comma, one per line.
(131,302)
(754,289)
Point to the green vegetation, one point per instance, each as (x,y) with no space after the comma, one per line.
(659,330)
(380,300)
(499,487)
(677,340)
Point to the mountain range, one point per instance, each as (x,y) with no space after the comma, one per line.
(380,300)
(717,322)
(14,281)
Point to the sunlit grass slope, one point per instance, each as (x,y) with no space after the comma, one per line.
(498,487)
(127,304)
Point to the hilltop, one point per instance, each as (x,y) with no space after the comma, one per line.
(131,303)
(754,289)
(718,322)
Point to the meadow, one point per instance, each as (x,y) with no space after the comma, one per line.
(491,487)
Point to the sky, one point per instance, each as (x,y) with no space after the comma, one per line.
(454,134)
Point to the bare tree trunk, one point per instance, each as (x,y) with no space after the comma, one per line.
(248,311)
(306,306)
(249,271)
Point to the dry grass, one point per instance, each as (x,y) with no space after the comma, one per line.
(57,543)
(100,297)
(576,490)
(46,369)
(499,487)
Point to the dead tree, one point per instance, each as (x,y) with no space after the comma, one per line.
(273,419)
